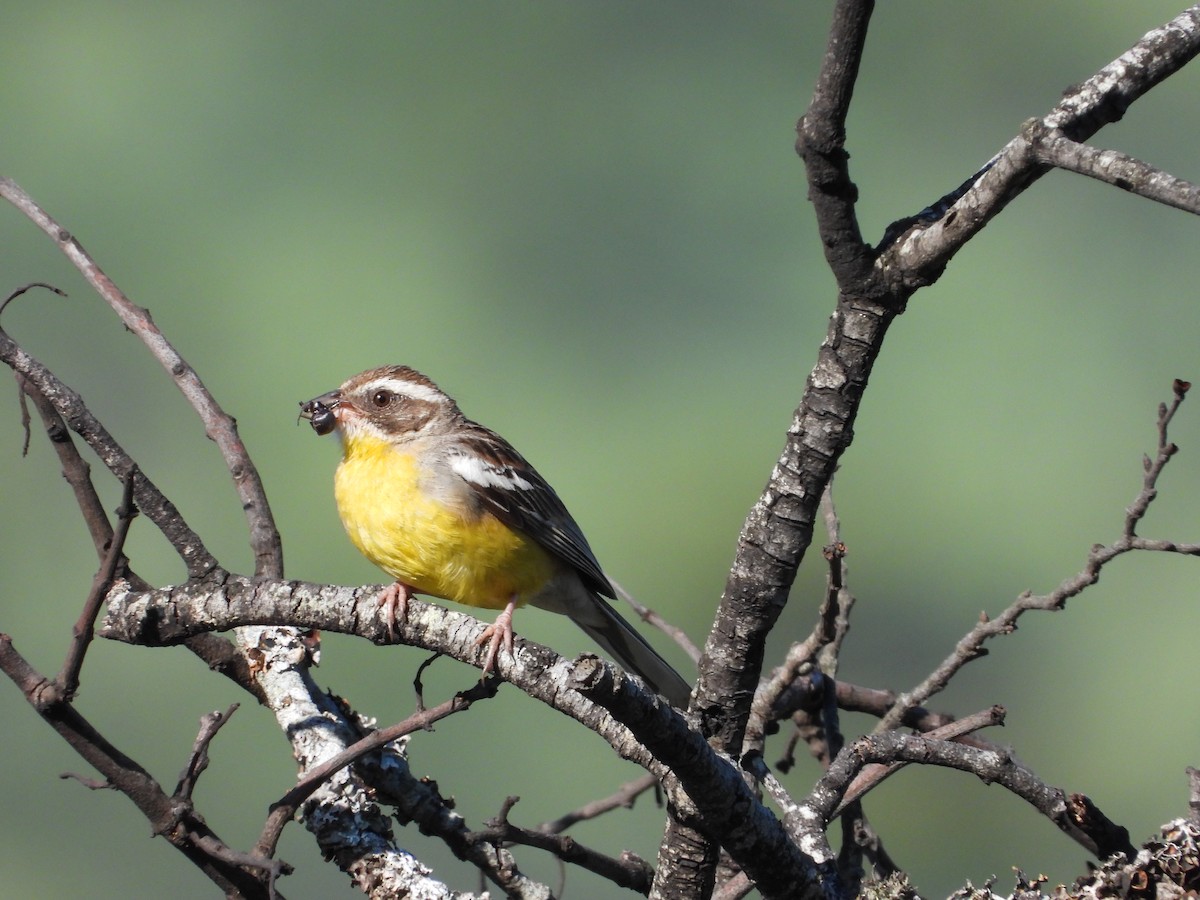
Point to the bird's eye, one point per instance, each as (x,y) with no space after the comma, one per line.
(382,398)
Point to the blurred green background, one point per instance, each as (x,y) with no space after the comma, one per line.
(586,221)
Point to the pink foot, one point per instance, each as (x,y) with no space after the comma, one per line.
(499,632)
(394,600)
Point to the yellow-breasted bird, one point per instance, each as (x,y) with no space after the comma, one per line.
(449,508)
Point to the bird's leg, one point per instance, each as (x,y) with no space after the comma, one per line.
(499,632)
(394,600)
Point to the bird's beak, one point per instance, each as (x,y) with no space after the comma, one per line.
(319,411)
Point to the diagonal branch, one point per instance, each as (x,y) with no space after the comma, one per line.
(872,290)
(630,871)
(182,828)
(622,798)
(220,427)
(990,766)
(970,646)
(284,810)
(68,677)
(75,470)
(149,499)
(919,254)
(342,817)
(1111,167)
(638,725)
(216,652)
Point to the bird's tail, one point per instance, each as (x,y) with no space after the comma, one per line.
(606,627)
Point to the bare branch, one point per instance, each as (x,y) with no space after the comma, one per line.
(182,828)
(272,868)
(220,427)
(989,766)
(1112,167)
(630,871)
(418,800)
(170,615)
(920,253)
(970,646)
(652,617)
(821,139)
(150,500)
(210,724)
(874,774)
(75,469)
(770,703)
(622,798)
(68,677)
(713,792)
(222,657)
(284,809)
(343,814)
(708,793)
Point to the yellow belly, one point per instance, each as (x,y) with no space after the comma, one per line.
(459,555)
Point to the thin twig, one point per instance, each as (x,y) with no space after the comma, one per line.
(75,469)
(220,427)
(1112,167)
(970,646)
(622,798)
(630,871)
(92,784)
(84,630)
(284,809)
(210,724)
(26,287)
(654,618)
(773,699)
(20,382)
(274,868)
(150,500)
(181,827)
(418,683)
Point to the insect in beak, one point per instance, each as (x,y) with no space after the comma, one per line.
(319,412)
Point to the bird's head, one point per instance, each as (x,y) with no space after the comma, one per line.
(391,403)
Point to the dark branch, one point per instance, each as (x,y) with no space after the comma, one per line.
(220,427)
(970,646)
(921,253)
(622,798)
(149,499)
(708,793)
(629,872)
(821,143)
(284,809)
(175,821)
(68,678)
(210,724)
(891,747)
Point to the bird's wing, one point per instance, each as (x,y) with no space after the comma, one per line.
(513,491)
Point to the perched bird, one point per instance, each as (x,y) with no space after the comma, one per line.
(449,508)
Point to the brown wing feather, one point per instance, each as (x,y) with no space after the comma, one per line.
(513,491)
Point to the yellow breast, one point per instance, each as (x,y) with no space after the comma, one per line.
(448,550)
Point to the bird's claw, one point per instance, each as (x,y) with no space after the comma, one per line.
(394,602)
(499,632)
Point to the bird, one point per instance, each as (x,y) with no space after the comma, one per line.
(450,509)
